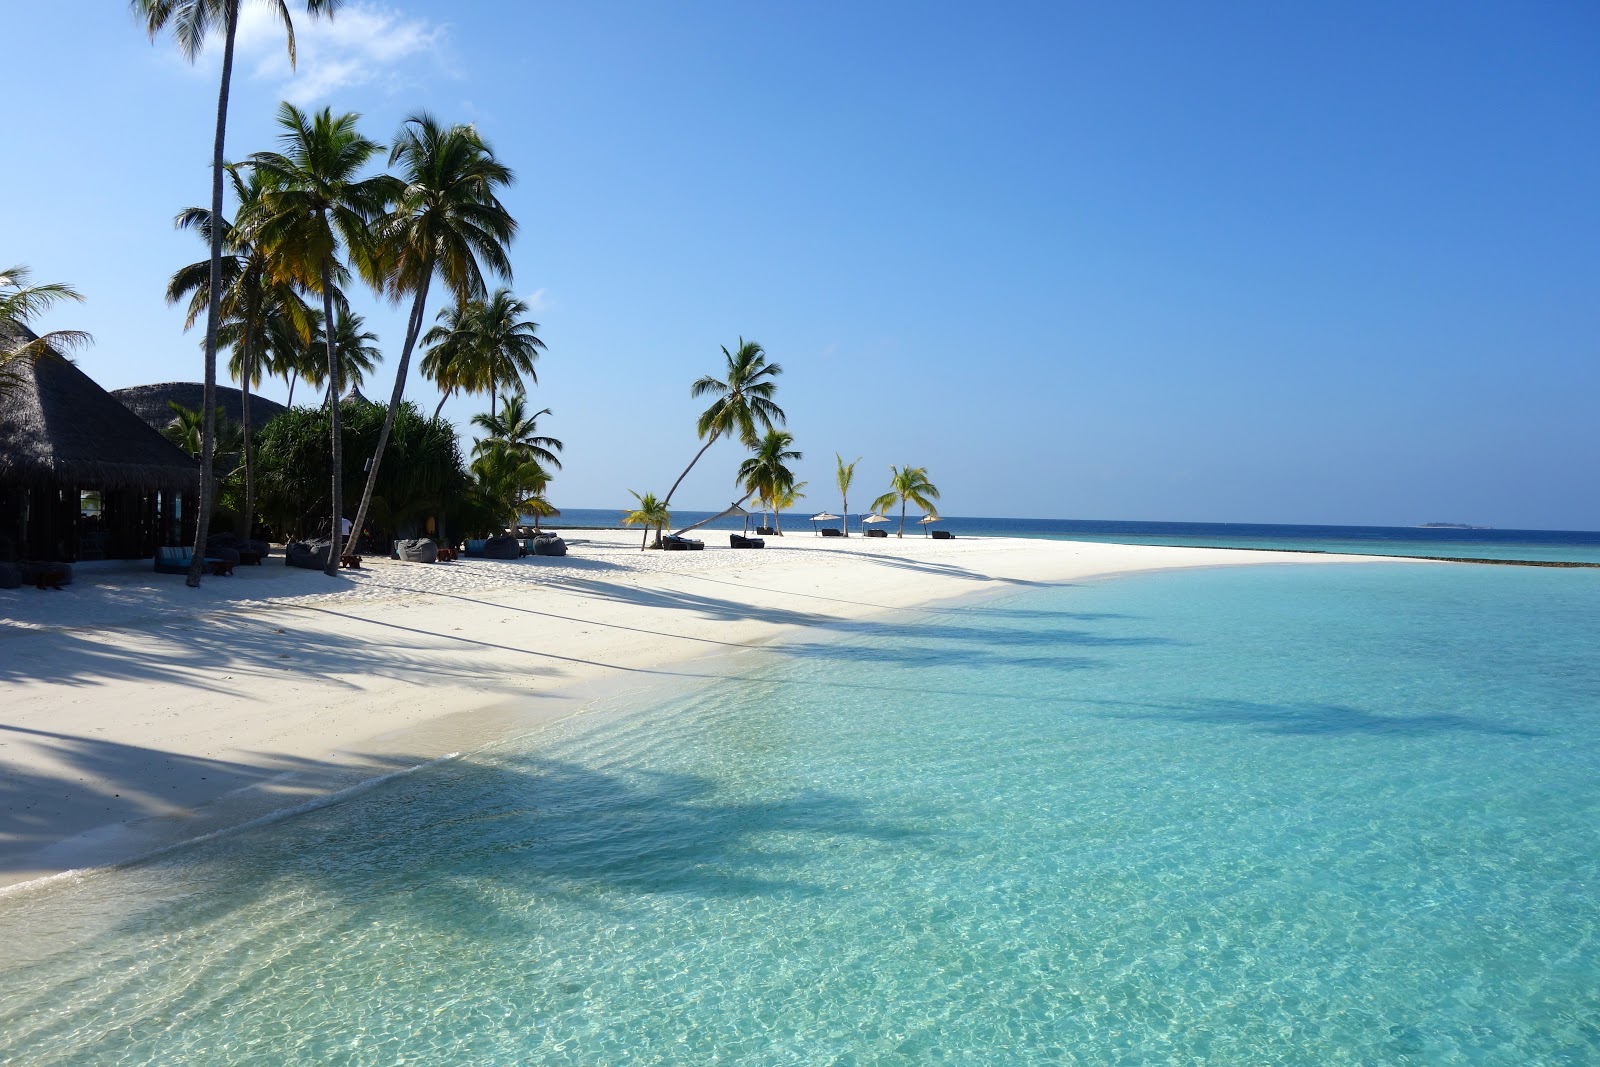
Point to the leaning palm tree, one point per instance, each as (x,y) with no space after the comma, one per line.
(744,401)
(520,430)
(650,513)
(19,303)
(765,475)
(445,218)
(908,483)
(315,203)
(191,22)
(844,476)
(252,293)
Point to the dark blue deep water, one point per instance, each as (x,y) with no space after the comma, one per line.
(1573,546)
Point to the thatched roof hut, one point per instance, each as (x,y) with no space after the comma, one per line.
(149,402)
(57,425)
(81,476)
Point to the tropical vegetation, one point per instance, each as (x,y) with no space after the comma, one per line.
(766,474)
(191,22)
(650,513)
(743,401)
(445,217)
(316,205)
(844,476)
(908,484)
(20,303)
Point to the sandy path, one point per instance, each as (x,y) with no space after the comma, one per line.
(135,712)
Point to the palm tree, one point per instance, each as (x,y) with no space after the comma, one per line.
(520,430)
(314,204)
(191,22)
(252,293)
(354,352)
(785,498)
(908,483)
(844,475)
(19,303)
(445,217)
(744,401)
(766,474)
(508,480)
(650,513)
(480,346)
(187,427)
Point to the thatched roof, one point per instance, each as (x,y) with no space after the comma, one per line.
(149,402)
(57,425)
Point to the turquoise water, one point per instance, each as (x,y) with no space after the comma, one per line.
(1289,815)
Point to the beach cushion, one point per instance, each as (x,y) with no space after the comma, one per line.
(501,546)
(474,546)
(416,550)
(877,533)
(311,555)
(549,546)
(740,541)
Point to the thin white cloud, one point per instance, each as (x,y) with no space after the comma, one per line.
(537,300)
(365,44)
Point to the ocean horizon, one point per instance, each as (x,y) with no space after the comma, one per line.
(1567,546)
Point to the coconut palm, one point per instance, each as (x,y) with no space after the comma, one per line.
(252,293)
(517,428)
(766,475)
(785,499)
(191,22)
(844,475)
(908,483)
(315,203)
(507,480)
(480,346)
(743,402)
(445,218)
(354,352)
(21,302)
(187,426)
(650,513)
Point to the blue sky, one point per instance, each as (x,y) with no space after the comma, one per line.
(1244,262)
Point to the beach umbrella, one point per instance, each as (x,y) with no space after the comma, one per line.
(875,518)
(823,517)
(927,520)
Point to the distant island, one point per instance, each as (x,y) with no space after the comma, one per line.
(1451,526)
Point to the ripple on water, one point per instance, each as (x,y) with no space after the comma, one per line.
(1319,815)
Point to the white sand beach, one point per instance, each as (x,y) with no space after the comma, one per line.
(138,713)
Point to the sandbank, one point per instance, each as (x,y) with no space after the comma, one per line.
(138,713)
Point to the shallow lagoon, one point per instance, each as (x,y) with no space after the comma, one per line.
(1301,814)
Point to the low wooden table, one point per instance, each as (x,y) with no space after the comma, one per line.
(51,578)
(221,568)
(350,563)
(446,555)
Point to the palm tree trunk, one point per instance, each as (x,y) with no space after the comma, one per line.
(413,327)
(844,513)
(337,448)
(208,396)
(902,532)
(244,396)
(646,538)
(294,376)
(709,442)
(440,408)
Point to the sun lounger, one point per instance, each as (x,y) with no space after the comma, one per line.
(740,541)
(877,533)
(831,531)
(675,543)
(943,535)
